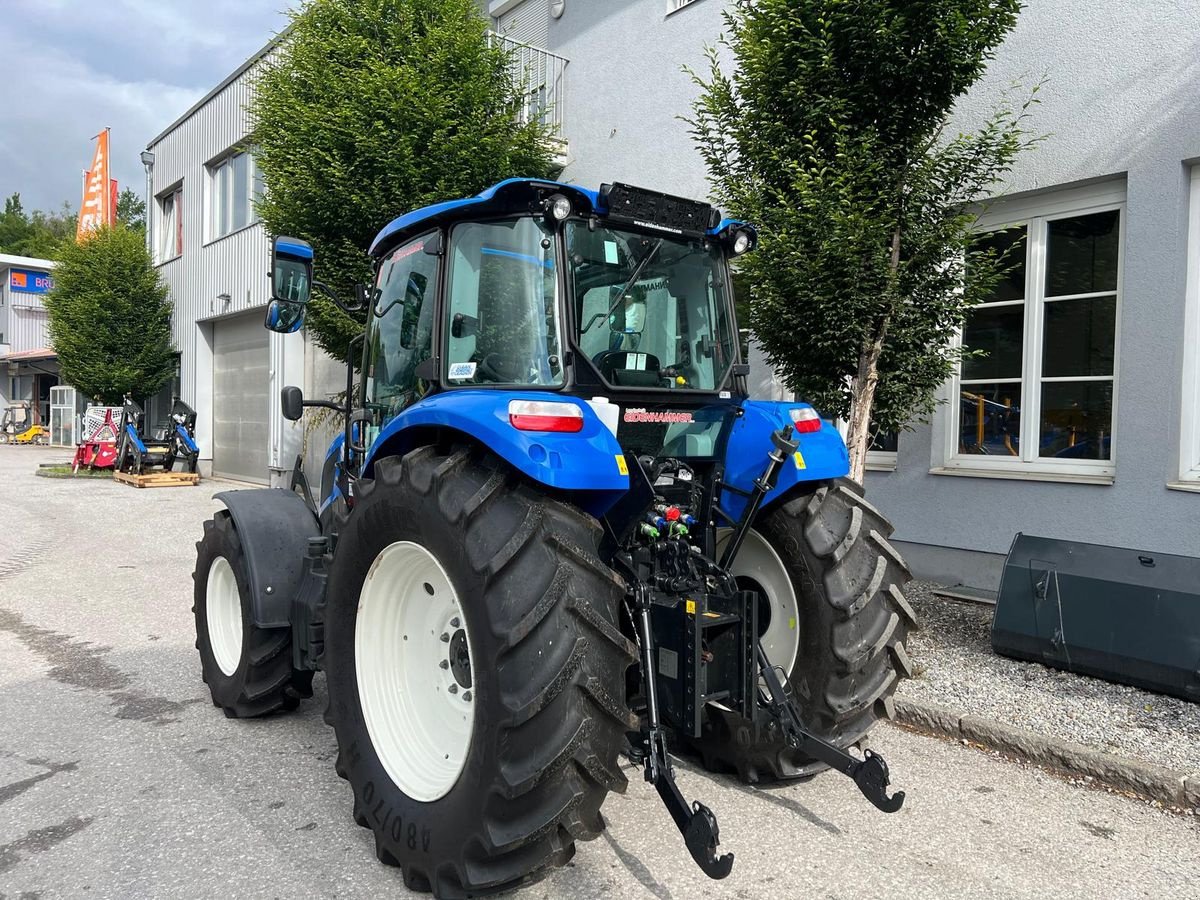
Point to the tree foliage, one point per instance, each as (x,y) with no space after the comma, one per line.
(373,108)
(110,320)
(38,234)
(131,211)
(829,135)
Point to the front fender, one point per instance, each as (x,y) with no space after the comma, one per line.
(589,463)
(273,526)
(821,455)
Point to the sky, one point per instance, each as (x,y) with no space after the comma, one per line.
(73,67)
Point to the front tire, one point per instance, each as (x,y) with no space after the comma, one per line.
(457,537)
(847,652)
(248,669)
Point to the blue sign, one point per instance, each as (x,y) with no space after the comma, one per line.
(28,281)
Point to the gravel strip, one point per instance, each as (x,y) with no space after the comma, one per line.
(955,668)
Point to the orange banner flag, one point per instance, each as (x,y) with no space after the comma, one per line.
(97,208)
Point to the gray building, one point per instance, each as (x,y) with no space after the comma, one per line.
(1081,423)
(213,254)
(30,365)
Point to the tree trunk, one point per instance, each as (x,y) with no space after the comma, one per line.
(862,398)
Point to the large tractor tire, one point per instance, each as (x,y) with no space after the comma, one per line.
(476,671)
(248,669)
(832,616)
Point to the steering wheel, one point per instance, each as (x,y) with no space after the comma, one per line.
(499,369)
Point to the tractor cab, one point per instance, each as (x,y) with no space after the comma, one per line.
(620,298)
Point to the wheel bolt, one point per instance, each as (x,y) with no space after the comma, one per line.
(466,695)
(445,664)
(454,623)
(454,688)
(445,638)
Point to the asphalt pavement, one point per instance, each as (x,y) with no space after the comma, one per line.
(119,779)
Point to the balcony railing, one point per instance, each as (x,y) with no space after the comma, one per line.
(540,76)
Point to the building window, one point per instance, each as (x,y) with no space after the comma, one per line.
(676,5)
(170,224)
(1036,396)
(883,449)
(1189,432)
(234,184)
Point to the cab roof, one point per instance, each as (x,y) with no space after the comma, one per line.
(514,195)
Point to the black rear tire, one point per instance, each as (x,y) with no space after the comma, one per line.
(549,715)
(853,623)
(264,681)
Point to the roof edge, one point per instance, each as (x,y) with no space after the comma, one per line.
(228,80)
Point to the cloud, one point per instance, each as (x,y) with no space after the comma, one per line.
(132,65)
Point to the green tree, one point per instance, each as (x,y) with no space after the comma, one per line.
(829,135)
(131,211)
(39,234)
(110,320)
(373,108)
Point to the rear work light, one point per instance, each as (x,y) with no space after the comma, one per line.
(806,420)
(540,415)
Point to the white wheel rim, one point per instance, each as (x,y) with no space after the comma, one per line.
(415,686)
(758,561)
(223,605)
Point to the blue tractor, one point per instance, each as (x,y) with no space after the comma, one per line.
(554,531)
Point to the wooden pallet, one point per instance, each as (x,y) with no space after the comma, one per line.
(158,479)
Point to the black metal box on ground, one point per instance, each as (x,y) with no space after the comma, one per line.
(1123,615)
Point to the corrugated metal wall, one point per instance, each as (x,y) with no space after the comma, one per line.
(28,323)
(234,266)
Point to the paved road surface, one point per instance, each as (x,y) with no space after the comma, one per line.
(119,779)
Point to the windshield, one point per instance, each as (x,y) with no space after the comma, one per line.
(503,294)
(652,311)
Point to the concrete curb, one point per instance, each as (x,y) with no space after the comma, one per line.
(1155,782)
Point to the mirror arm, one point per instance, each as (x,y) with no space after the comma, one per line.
(324,404)
(338,301)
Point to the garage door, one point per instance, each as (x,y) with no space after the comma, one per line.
(240,404)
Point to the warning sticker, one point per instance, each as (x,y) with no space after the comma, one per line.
(799,460)
(622,467)
(691,607)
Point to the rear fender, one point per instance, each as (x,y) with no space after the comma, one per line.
(821,455)
(273,526)
(588,465)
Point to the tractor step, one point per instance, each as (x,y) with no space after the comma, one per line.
(158,479)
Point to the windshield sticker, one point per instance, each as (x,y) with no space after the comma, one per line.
(658,418)
(461,371)
(610,253)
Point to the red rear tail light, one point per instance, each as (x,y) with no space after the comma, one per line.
(805,419)
(540,415)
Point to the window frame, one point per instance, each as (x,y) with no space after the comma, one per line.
(674,6)
(1189,421)
(1035,213)
(175,195)
(219,198)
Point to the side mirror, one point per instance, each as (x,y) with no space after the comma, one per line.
(292,400)
(291,284)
